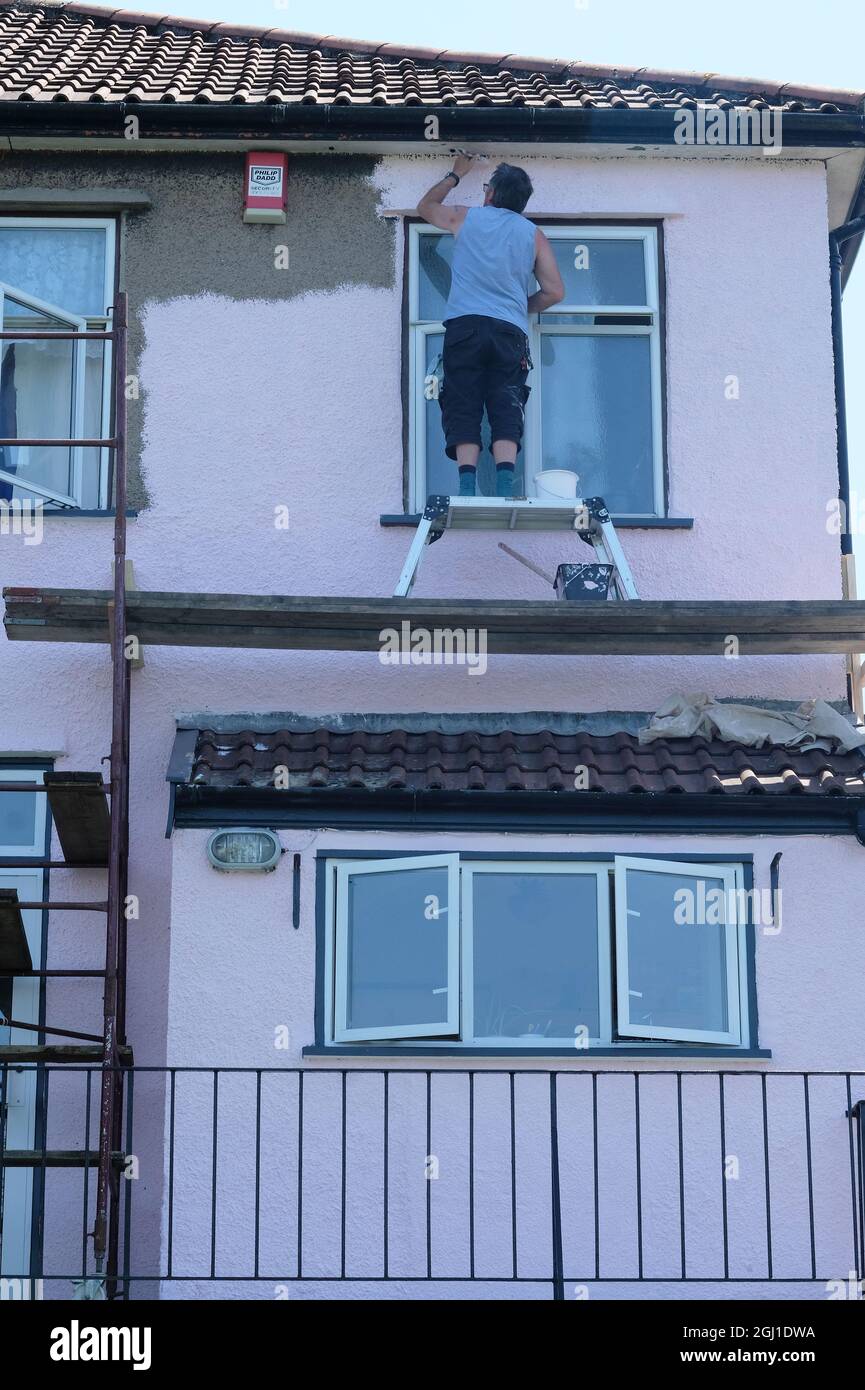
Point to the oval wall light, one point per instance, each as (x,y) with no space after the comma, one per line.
(244,849)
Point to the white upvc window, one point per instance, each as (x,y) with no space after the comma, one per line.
(595,406)
(536,959)
(397,948)
(535,953)
(678,951)
(56,274)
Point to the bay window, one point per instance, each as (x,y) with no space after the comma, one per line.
(595,402)
(56,275)
(536,953)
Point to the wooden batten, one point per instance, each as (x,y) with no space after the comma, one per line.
(523,627)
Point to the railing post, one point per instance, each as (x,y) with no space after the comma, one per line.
(556,1197)
(857,1120)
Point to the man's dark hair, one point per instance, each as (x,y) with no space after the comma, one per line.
(512,187)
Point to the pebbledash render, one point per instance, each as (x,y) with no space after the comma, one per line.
(428,978)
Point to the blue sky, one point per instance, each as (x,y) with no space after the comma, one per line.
(791,40)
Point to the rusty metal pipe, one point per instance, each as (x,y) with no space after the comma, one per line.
(106,1224)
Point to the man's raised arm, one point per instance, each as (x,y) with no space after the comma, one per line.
(552,286)
(430,206)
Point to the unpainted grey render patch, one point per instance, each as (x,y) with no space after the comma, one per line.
(192,239)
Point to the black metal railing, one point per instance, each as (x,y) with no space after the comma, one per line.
(554,1180)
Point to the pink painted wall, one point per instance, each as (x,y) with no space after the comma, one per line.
(256,976)
(238,926)
(318,379)
(316,382)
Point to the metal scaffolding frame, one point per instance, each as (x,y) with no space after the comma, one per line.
(72,792)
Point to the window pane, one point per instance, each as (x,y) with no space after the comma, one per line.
(397,954)
(65,266)
(434,275)
(36,400)
(441,472)
(18,815)
(677,970)
(535,948)
(597,415)
(599,270)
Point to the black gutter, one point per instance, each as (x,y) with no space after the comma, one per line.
(209,808)
(343,124)
(851,247)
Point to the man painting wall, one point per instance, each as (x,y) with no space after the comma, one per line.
(486,359)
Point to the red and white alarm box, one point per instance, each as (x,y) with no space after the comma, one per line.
(265,189)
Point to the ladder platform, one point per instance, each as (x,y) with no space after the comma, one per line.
(14,951)
(588,517)
(504,513)
(58,1052)
(55,1158)
(79,808)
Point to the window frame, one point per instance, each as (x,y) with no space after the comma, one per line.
(583,870)
(649,233)
(732,954)
(604,864)
(25,1090)
(96,323)
(346,869)
(22,773)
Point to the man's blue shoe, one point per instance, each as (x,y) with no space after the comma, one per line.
(467,483)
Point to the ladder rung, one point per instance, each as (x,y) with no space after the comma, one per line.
(55,1158)
(58,1052)
(52,905)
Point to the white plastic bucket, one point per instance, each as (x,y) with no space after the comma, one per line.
(557,484)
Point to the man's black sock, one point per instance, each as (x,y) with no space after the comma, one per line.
(504,480)
(468,477)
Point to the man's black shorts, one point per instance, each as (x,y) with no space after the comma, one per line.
(486,362)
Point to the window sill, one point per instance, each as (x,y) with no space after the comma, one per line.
(647,523)
(88,513)
(540,1054)
(83,200)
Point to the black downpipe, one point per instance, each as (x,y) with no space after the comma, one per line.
(836,240)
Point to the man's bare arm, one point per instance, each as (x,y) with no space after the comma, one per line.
(430,206)
(552,286)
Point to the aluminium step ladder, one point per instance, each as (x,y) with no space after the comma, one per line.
(588,517)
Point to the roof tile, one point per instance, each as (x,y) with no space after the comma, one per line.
(431,761)
(82,52)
